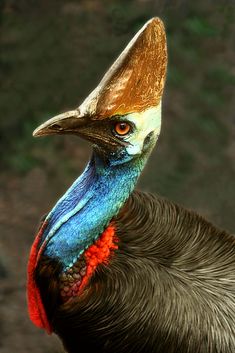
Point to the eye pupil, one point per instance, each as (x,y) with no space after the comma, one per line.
(122,126)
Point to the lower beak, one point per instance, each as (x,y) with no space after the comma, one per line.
(65,123)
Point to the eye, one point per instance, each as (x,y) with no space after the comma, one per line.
(122,128)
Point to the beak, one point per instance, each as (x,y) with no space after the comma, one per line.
(74,123)
(65,123)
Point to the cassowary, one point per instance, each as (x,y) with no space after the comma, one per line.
(117,270)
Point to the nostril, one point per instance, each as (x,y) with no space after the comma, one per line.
(56,127)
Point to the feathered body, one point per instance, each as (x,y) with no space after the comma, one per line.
(169,287)
(116,270)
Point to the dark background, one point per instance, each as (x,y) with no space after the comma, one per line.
(52,54)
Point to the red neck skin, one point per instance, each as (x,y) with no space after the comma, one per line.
(74,280)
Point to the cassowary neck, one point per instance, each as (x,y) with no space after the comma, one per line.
(87,208)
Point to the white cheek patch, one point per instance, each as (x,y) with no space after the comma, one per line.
(145,122)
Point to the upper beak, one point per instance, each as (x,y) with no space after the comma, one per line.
(68,122)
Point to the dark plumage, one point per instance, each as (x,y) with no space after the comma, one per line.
(168,288)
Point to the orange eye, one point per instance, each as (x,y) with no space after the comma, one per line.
(122,128)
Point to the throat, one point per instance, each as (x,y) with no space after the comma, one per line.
(85,211)
(74,279)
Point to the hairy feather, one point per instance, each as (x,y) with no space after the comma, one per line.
(170,287)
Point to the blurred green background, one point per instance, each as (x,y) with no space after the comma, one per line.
(52,54)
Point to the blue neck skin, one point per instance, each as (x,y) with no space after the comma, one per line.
(88,206)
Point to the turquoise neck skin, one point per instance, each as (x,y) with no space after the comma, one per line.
(88,206)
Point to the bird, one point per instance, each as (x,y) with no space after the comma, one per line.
(116,269)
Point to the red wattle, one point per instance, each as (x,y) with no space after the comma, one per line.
(99,252)
(36,309)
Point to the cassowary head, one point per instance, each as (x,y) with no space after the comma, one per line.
(122,116)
